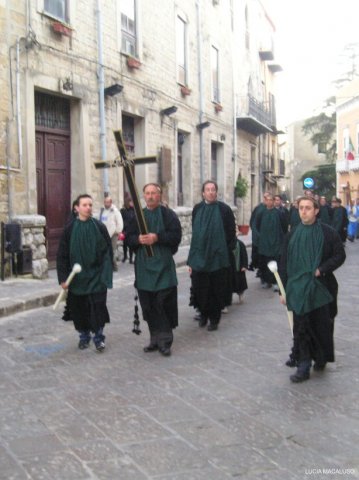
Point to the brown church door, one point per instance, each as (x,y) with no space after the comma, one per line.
(53,166)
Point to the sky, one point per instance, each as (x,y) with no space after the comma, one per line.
(309,45)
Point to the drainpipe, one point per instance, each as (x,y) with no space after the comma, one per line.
(101,92)
(18,102)
(200,84)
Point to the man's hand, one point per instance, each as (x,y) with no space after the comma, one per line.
(282,300)
(317,273)
(148,239)
(64,285)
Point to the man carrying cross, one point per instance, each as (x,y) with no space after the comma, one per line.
(156,279)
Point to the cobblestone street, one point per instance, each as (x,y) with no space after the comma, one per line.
(221,406)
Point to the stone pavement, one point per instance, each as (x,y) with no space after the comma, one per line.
(25,293)
(221,406)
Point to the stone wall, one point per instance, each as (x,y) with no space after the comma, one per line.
(33,236)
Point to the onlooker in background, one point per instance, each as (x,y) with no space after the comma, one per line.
(294,218)
(278,204)
(128,215)
(112,219)
(340,218)
(325,211)
(353,216)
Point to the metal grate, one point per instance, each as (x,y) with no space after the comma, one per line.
(52,112)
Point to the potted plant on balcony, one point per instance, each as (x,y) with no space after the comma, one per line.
(240,191)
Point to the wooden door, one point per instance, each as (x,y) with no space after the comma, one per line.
(53,185)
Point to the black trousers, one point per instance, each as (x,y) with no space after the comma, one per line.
(313,336)
(210,292)
(160,311)
(88,312)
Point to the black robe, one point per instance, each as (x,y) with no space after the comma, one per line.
(313,332)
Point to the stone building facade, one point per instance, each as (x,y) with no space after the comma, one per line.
(177,77)
(347,164)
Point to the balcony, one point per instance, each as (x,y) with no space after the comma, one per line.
(266,51)
(353,164)
(275,67)
(252,116)
(342,166)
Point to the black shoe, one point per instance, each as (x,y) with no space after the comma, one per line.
(299,377)
(124,259)
(202,321)
(100,347)
(319,367)
(131,261)
(212,327)
(291,362)
(83,344)
(150,348)
(165,351)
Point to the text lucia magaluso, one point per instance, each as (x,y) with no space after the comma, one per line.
(330,471)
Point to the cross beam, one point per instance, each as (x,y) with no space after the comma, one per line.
(127,163)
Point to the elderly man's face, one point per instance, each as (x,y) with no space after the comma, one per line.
(152,196)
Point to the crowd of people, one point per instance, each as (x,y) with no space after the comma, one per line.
(306,241)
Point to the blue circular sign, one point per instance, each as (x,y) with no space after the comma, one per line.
(308,182)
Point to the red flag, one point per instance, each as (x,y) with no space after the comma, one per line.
(350,153)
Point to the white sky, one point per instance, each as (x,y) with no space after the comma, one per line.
(310,38)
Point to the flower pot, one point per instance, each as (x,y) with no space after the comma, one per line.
(185,91)
(244,229)
(133,62)
(59,27)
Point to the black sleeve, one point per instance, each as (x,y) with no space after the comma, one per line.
(333,251)
(132,233)
(229,224)
(172,234)
(282,267)
(63,266)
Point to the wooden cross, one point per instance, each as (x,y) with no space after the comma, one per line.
(127,163)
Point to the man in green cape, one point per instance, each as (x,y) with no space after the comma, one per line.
(255,234)
(311,252)
(156,279)
(210,255)
(86,241)
(272,226)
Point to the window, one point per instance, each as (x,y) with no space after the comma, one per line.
(214,162)
(181,40)
(247,38)
(57,9)
(180,141)
(215,74)
(128,27)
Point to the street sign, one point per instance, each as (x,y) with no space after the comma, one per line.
(308,182)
